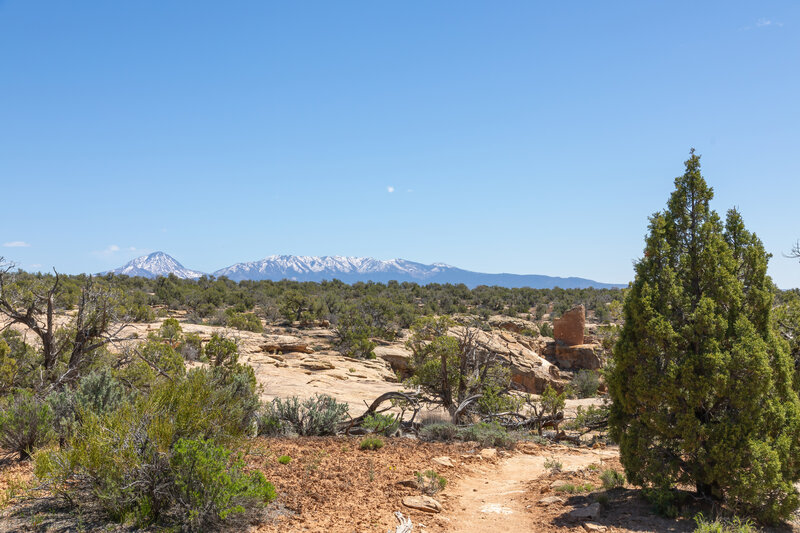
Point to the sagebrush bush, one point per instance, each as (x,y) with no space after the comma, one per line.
(315,416)
(444,431)
(612,479)
(586,383)
(25,423)
(487,434)
(267,422)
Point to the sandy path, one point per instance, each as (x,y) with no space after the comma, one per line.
(490,500)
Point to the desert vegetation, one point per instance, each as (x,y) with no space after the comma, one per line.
(125,410)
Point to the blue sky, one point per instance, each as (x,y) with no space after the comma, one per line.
(498,137)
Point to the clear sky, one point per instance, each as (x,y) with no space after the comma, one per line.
(525,137)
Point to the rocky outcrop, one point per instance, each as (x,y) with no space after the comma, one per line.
(398,356)
(516,325)
(580,356)
(285,344)
(569,328)
(529,371)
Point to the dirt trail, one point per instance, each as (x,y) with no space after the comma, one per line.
(490,499)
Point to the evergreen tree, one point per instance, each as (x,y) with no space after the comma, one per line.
(701,384)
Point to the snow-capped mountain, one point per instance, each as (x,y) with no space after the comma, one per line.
(355,269)
(310,268)
(155,265)
(349,270)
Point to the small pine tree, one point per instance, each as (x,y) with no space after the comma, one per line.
(701,385)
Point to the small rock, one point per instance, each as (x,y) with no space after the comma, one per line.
(443,461)
(411,483)
(557,484)
(423,503)
(550,500)
(488,453)
(584,513)
(589,526)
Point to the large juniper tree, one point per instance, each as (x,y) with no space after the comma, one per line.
(701,386)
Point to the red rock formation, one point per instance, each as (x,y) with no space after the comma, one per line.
(569,328)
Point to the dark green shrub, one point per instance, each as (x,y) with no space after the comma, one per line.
(585,383)
(318,415)
(701,384)
(353,336)
(222,350)
(210,485)
(487,434)
(170,330)
(371,443)
(245,322)
(132,462)
(444,431)
(25,423)
(545,329)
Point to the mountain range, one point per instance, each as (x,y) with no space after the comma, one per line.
(350,270)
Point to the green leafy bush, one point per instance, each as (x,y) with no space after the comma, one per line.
(381,423)
(442,431)
(495,400)
(163,452)
(284,459)
(487,434)
(210,485)
(170,330)
(25,423)
(734,525)
(371,443)
(429,482)
(318,415)
(572,488)
(244,321)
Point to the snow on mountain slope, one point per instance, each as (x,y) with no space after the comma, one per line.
(155,265)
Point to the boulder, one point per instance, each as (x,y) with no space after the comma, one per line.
(579,356)
(569,328)
(399,357)
(284,344)
(443,461)
(550,500)
(585,513)
(488,453)
(423,503)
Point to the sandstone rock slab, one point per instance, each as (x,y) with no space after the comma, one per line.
(423,503)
